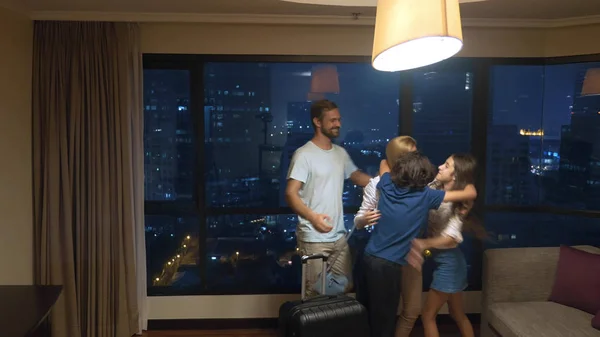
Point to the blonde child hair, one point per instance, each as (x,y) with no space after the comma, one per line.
(398,147)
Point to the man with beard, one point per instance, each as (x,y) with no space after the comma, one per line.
(314,191)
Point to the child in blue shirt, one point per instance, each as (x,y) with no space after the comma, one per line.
(404,204)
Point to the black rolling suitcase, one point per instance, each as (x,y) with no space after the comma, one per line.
(322,315)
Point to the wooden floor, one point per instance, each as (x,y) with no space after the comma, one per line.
(445,331)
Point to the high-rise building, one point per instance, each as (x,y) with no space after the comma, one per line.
(442,113)
(580,149)
(508,172)
(237,99)
(168,136)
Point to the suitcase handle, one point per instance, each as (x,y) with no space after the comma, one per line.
(306,258)
(320,298)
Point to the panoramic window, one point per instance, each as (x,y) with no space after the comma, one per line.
(219,136)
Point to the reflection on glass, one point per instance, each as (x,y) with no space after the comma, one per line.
(442,107)
(257,254)
(258,114)
(543,137)
(172,254)
(540,230)
(442,103)
(252,254)
(169,150)
(577,117)
(516,113)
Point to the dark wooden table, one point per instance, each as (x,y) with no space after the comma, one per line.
(24,308)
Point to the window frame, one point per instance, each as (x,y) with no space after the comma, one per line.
(480,67)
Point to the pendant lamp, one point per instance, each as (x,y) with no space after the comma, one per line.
(591,82)
(415,33)
(351,3)
(347,3)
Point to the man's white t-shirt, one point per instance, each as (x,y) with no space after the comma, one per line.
(322,173)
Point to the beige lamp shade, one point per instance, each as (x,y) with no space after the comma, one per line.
(325,80)
(347,3)
(352,3)
(315,96)
(414,33)
(591,83)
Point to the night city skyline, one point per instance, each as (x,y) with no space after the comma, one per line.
(256,115)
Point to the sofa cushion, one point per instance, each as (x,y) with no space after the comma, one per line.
(537,319)
(577,280)
(596,321)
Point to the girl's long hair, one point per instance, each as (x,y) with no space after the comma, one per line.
(464,174)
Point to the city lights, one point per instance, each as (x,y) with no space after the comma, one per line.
(526,132)
(171,266)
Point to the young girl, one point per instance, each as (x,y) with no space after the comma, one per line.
(412,280)
(445,225)
(404,203)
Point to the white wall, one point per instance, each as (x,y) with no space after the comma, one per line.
(16,222)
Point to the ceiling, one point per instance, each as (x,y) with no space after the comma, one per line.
(496,9)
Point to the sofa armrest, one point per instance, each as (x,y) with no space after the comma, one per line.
(518,274)
(521,274)
(515,275)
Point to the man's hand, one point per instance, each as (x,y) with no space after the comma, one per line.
(293,199)
(371,217)
(319,222)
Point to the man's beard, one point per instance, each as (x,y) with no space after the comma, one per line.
(332,134)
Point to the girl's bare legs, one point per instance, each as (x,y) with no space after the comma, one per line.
(412,289)
(433,304)
(456,307)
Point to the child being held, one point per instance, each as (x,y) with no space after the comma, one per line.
(404,204)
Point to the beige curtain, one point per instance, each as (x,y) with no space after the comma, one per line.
(88,175)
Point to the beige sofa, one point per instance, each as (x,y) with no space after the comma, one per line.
(516,285)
